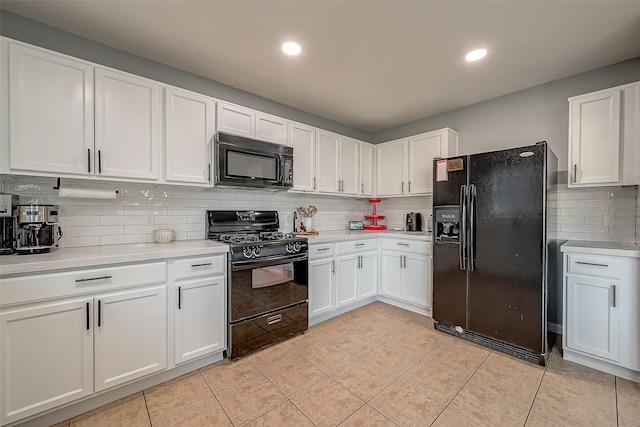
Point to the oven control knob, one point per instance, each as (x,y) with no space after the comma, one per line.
(257,251)
(248,252)
(296,246)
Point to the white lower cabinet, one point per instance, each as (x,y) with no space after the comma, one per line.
(130,335)
(96,329)
(321,285)
(200,315)
(46,357)
(406,271)
(601,325)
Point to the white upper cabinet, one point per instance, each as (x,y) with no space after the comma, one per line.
(126,126)
(49,113)
(405,166)
(367,164)
(271,128)
(235,120)
(338,163)
(188,133)
(391,172)
(349,165)
(242,121)
(328,162)
(604,147)
(303,141)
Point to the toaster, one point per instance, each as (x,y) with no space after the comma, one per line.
(414,221)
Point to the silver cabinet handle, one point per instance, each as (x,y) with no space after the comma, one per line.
(405,261)
(592,263)
(575,173)
(402,187)
(401,262)
(93,278)
(362,187)
(200,265)
(409,186)
(323,249)
(209,173)
(613,295)
(359,244)
(333,267)
(99,161)
(402,244)
(274,319)
(314,183)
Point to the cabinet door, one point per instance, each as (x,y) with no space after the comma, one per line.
(391,170)
(391,274)
(368,275)
(366,169)
(200,321)
(127,126)
(235,120)
(416,286)
(350,166)
(303,141)
(46,357)
(189,128)
(50,113)
(593,318)
(422,150)
(346,280)
(130,335)
(321,274)
(328,162)
(271,128)
(594,139)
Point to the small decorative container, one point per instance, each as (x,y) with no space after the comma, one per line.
(164,236)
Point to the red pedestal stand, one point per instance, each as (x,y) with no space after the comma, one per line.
(374,218)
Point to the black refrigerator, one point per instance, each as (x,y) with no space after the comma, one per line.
(491,244)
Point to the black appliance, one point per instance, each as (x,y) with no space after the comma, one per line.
(268,292)
(8,224)
(491,249)
(414,221)
(244,162)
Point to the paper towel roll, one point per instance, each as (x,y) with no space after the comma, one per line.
(86,193)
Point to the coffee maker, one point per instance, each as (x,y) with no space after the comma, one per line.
(8,224)
(38,230)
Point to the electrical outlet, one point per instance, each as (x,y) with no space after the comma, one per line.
(148,219)
(607,218)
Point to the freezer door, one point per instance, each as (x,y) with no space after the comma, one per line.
(506,233)
(449,271)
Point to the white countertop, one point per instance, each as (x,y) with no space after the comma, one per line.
(91,256)
(602,248)
(342,235)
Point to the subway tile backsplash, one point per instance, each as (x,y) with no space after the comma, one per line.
(140,209)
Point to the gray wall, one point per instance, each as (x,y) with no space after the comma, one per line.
(516,119)
(520,118)
(29,31)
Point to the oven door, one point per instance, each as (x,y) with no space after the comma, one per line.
(268,303)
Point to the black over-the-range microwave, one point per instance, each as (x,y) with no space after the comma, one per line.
(244,162)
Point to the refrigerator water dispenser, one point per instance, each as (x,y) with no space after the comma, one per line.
(447,224)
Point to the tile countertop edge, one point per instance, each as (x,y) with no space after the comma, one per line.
(95,256)
(345,235)
(601,248)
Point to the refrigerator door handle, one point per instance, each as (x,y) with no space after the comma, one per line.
(472,226)
(463,231)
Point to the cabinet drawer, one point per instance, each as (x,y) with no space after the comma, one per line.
(590,265)
(407,245)
(321,251)
(202,266)
(356,246)
(53,285)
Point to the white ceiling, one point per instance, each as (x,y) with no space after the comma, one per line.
(368,64)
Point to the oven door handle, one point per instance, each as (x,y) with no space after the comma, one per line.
(258,263)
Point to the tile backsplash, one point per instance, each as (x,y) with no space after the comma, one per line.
(137,210)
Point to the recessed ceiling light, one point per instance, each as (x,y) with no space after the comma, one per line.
(474,55)
(291,48)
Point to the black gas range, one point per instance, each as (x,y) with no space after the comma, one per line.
(268,278)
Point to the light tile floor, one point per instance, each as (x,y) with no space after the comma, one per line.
(379,366)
